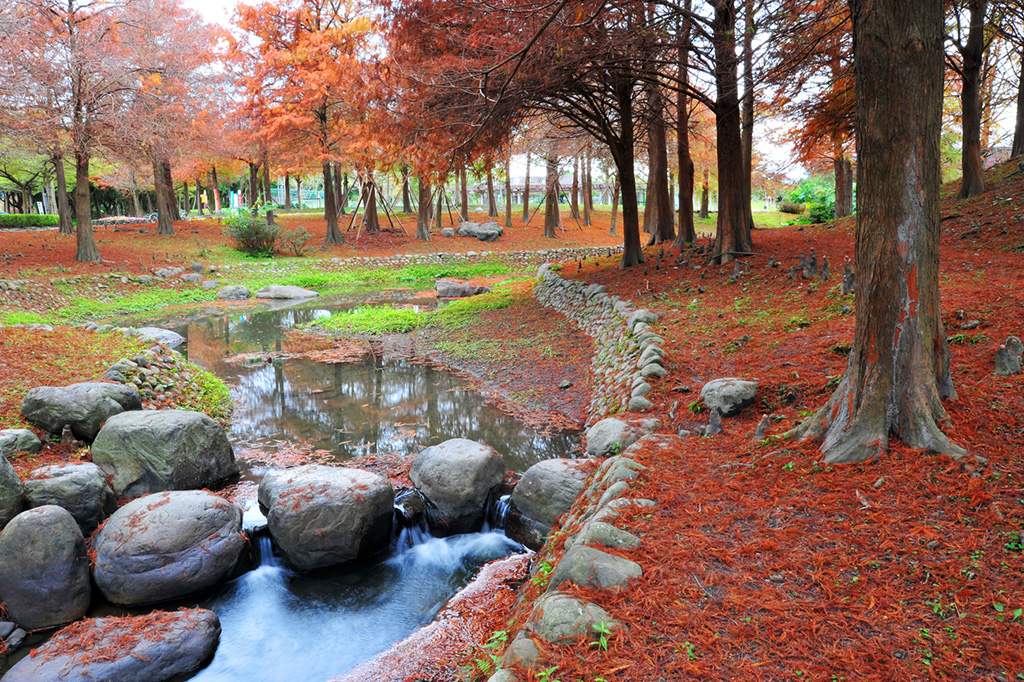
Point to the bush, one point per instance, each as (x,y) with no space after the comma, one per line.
(295,240)
(819,194)
(252,235)
(791,207)
(822,211)
(28,220)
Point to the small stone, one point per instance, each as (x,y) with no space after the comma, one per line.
(639,404)
(714,426)
(565,383)
(762,427)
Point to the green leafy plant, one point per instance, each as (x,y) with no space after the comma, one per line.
(373,320)
(252,234)
(602,632)
(16,220)
(295,240)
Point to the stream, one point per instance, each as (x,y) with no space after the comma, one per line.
(308,627)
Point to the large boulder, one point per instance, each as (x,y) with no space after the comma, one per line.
(279,291)
(612,436)
(485,232)
(167,545)
(81,488)
(457,476)
(11,491)
(44,568)
(321,515)
(549,487)
(158,335)
(233,292)
(82,406)
(729,395)
(156,647)
(147,452)
(456,288)
(19,440)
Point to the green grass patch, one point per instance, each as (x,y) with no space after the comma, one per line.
(141,302)
(18,317)
(208,394)
(373,320)
(461,313)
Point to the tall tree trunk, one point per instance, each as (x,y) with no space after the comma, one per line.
(898,370)
(216,188)
(748,107)
(844,177)
(551,217)
(63,205)
(87,251)
(148,202)
(406,198)
(440,208)
(343,198)
(526,190)
(508,192)
(253,184)
(339,187)
(135,200)
(705,192)
(298,193)
(574,194)
(588,193)
(172,200)
(267,196)
(188,201)
(590,178)
(1018,130)
(199,196)
(622,148)
(423,212)
(287,192)
(612,229)
(371,221)
(334,235)
(658,213)
(492,204)
(732,236)
(464,194)
(164,225)
(973,53)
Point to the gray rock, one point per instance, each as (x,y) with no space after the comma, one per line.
(144,279)
(601,533)
(81,488)
(485,232)
(234,292)
(612,436)
(83,406)
(157,647)
(639,404)
(503,676)
(1008,357)
(456,476)
(210,284)
(191,277)
(589,567)
(523,652)
(19,440)
(641,315)
(196,267)
(653,371)
(456,288)
(714,426)
(15,639)
(44,569)
(11,502)
(167,545)
(447,232)
(164,273)
(548,489)
(147,452)
(282,292)
(729,395)
(641,389)
(164,336)
(322,515)
(6,628)
(561,619)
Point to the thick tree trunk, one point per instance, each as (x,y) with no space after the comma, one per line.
(1018,130)
(705,202)
(345,189)
(613,225)
(406,192)
(267,196)
(732,236)
(199,197)
(898,371)
(623,150)
(973,54)
(164,225)
(188,201)
(551,217)
(574,195)
(508,192)
(63,205)
(440,208)
(526,191)
(463,194)
(87,251)
(844,178)
(748,106)
(216,188)
(492,204)
(135,201)
(172,200)
(371,221)
(334,235)
(148,202)
(658,213)
(253,184)
(298,193)
(340,189)
(423,212)
(589,191)
(287,192)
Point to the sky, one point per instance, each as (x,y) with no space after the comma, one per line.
(213,11)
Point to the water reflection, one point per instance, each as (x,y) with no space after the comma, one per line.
(368,407)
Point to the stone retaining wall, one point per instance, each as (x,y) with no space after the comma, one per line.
(628,354)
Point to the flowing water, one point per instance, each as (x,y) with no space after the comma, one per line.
(307,627)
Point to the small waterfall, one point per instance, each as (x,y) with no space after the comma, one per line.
(412,520)
(263,549)
(496,514)
(410,536)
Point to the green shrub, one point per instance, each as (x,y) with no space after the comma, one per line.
(819,194)
(791,207)
(28,220)
(252,235)
(295,240)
